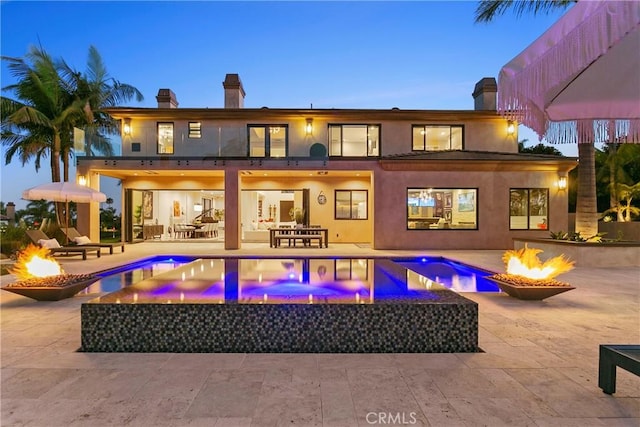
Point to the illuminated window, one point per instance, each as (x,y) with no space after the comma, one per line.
(354,140)
(529,209)
(165,138)
(351,204)
(268,141)
(442,208)
(437,138)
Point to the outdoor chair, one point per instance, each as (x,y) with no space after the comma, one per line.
(74,235)
(39,238)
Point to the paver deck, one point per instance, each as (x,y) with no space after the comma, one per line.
(539,366)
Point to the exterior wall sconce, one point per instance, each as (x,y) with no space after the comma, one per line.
(82,180)
(562,183)
(126,128)
(309,127)
(511,127)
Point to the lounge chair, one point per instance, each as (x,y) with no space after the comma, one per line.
(74,236)
(39,238)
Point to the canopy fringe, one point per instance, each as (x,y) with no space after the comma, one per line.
(590,131)
(519,96)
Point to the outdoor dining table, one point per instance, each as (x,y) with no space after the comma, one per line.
(297,234)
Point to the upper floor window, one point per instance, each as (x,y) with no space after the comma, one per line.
(195,130)
(352,204)
(165,138)
(354,140)
(436,138)
(528,209)
(268,140)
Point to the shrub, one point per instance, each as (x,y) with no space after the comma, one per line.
(12,239)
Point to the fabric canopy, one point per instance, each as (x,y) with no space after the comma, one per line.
(64,192)
(580,80)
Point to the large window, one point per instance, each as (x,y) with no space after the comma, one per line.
(165,138)
(268,141)
(354,140)
(528,208)
(442,208)
(437,138)
(351,204)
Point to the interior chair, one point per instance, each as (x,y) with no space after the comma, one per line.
(180,231)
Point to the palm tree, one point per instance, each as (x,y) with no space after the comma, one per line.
(627,193)
(52,99)
(100,91)
(36,211)
(586,208)
(39,122)
(618,160)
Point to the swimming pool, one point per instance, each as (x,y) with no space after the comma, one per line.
(291,279)
(182,304)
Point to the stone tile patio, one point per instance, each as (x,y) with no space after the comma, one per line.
(539,365)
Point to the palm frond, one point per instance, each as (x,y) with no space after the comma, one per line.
(487,10)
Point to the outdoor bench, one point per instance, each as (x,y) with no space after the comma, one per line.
(625,356)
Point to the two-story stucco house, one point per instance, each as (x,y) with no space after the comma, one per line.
(393,179)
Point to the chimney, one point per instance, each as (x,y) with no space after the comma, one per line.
(484,94)
(166,99)
(233,91)
(11,213)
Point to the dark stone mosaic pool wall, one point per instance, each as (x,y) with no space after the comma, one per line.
(435,327)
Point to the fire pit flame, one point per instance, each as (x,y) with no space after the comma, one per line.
(35,261)
(524,268)
(528,278)
(525,262)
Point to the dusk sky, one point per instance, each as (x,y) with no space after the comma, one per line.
(411,55)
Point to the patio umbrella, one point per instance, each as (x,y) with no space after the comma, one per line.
(579,83)
(64,192)
(580,80)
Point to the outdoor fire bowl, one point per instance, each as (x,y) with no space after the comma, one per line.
(529,289)
(51,288)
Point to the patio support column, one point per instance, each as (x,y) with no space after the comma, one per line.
(231,208)
(88,222)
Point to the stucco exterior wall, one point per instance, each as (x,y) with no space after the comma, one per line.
(492,205)
(223,137)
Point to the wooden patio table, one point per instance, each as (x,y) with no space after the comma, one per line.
(276,235)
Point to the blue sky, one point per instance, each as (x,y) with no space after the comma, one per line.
(411,55)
